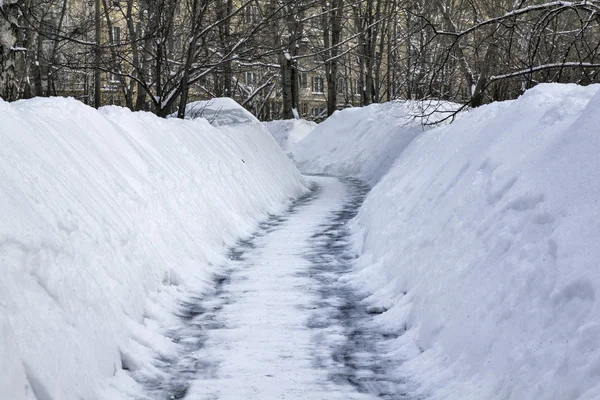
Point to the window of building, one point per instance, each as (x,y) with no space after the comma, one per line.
(251,14)
(251,78)
(317,84)
(303,78)
(316,111)
(52,21)
(116,35)
(340,85)
(113,77)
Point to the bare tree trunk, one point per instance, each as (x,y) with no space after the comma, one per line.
(37,77)
(8,38)
(188,61)
(225,9)
(332,39)
(143,61)
(113,63)
(138,71)
(98,57)
(287,92)
(292,15)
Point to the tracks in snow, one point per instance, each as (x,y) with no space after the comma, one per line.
(281,323)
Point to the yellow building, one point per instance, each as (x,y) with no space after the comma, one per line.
(253,84)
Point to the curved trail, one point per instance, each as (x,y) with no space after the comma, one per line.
(280,323)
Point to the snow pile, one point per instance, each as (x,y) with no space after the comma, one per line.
(288,132)
(482,242)
(364,142)
(220,111)
(106,217)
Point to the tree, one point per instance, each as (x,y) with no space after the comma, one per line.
(8,50)
(160,54)
(333,11)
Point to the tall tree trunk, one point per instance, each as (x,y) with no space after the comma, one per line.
(98,56)
(287,91)
(332,34)
(143,61)
(292,16)
(225,9)
(8,38)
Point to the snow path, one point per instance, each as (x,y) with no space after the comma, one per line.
(280,323)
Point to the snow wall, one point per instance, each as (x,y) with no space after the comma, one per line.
(364,142)
(219,111)
(288,132)
(106,217)
(483,242)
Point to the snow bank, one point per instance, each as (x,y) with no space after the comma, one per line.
(105,217)
(220,111)
(483,243)
(288,132)
(364,142)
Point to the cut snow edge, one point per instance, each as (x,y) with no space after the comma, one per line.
(108,218)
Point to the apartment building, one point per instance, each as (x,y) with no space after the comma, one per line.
(254,84)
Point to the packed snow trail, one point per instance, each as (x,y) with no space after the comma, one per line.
(280,323)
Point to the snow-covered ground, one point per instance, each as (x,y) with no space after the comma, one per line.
(288,132)
(278,322)
(220,111)
(124,276)
(364,142)
(250,339)
(481,239)
(107,218)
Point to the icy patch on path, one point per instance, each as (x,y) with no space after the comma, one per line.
(280,324)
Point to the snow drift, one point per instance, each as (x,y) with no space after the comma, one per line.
(481,241)
(105,217)
(220,111)
(288,132)
(364,142)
